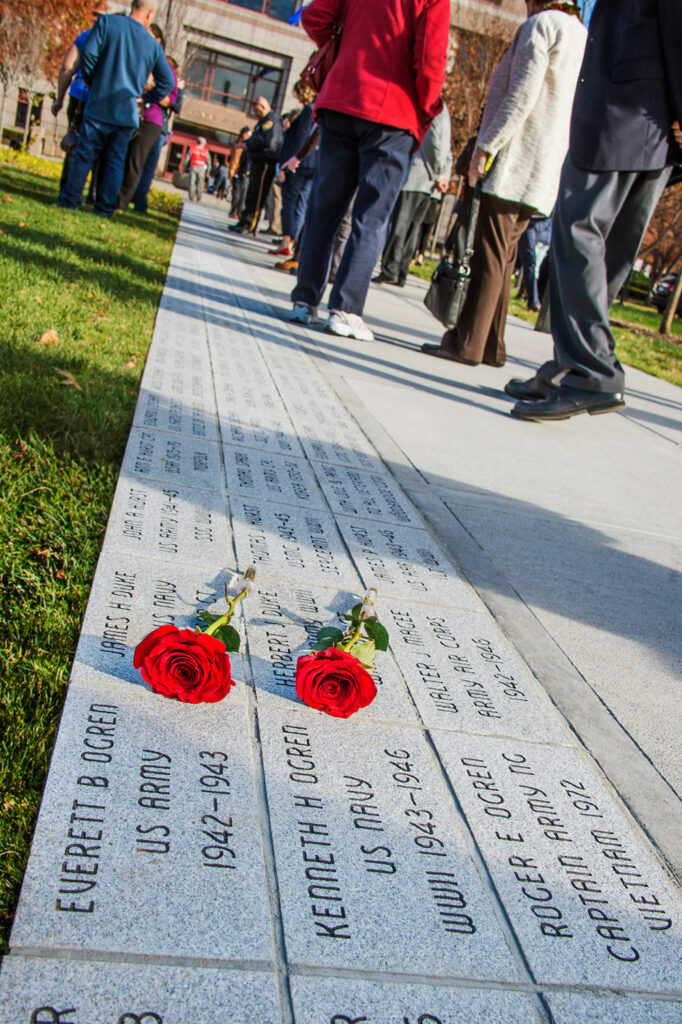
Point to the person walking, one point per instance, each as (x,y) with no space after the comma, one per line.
(430,171)
(374,109)
(622,149)
(116,61)
(263,146)
(523,138)
(199,158)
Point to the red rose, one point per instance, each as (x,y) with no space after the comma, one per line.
(334,681)
(188,666)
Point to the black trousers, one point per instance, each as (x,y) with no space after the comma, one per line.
(260,180)
(141,145)
(402,242)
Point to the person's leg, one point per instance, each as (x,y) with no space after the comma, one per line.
(480,327)
(333,187)
(109,185)
(383,156)
(420,205)
(139,149)
(74,115)
(147,176)
(91,140)
(398,227)
(599,222)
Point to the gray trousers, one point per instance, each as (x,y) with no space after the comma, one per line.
(196,183)
(402,241)
(599,223)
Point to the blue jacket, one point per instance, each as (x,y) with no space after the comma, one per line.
(629,90)
(295,138)
(116,61)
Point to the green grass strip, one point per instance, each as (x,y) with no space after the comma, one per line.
(77,307)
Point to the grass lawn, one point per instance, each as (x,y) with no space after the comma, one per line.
(77,307)
(635,328)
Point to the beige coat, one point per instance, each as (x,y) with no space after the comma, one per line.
(528,110)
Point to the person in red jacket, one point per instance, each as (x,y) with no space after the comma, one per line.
(374,109)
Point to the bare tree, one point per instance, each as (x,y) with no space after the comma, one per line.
(171,17)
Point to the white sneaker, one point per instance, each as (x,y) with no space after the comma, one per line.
(348,325)
(303,314)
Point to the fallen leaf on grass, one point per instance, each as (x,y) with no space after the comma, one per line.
(89,295)
(49,337)
(68,378)
(131,364)
(38,299)
(7,199)
(23,224)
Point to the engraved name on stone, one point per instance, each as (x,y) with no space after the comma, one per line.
(367,839)
(157,411)
(129,599)
(176,524)
(289,543)
(353,492)
(282,622)
(274,477)
(406,562)
(583,893)
(148,838)
(463,674)
(191,461)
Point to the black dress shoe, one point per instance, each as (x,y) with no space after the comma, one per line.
(442,353)
(529,390)
(382,279)
(239,229)
(567,402)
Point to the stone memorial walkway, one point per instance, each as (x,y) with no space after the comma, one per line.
(449,854)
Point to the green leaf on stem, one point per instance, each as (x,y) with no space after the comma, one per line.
(208,618)
(379,634)
(329,632)
(364,652)
(323,644)
(230,637)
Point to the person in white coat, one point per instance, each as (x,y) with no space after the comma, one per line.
(522,143)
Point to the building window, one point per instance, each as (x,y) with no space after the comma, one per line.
(22,109)
(280,9)
(230,81)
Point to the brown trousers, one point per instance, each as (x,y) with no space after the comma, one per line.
(478,336)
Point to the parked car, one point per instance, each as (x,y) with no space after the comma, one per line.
(661,292)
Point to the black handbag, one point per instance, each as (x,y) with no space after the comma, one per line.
(450,281)
(320,62)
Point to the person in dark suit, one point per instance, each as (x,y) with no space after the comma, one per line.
(625,134)
(263,145)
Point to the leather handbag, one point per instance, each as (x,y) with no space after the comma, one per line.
(320,62)
(450,281)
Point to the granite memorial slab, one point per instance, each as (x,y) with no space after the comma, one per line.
(278,478)
(354,492)
(187,416)
(42,991)
(327,432)
(464,674)
(172,458)
(282,621)
(585,896)
(335,1001)
(171,524)
(374,863)
(406,562)
(148,840)
(129,598)
(569,1007)
(287,543)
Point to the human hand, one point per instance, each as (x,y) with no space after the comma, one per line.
(56,107)
(442,185)
(290,165)
(477,165)
(181,83)
(677,132)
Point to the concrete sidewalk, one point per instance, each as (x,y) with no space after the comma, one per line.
(486,841)
(571,532)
